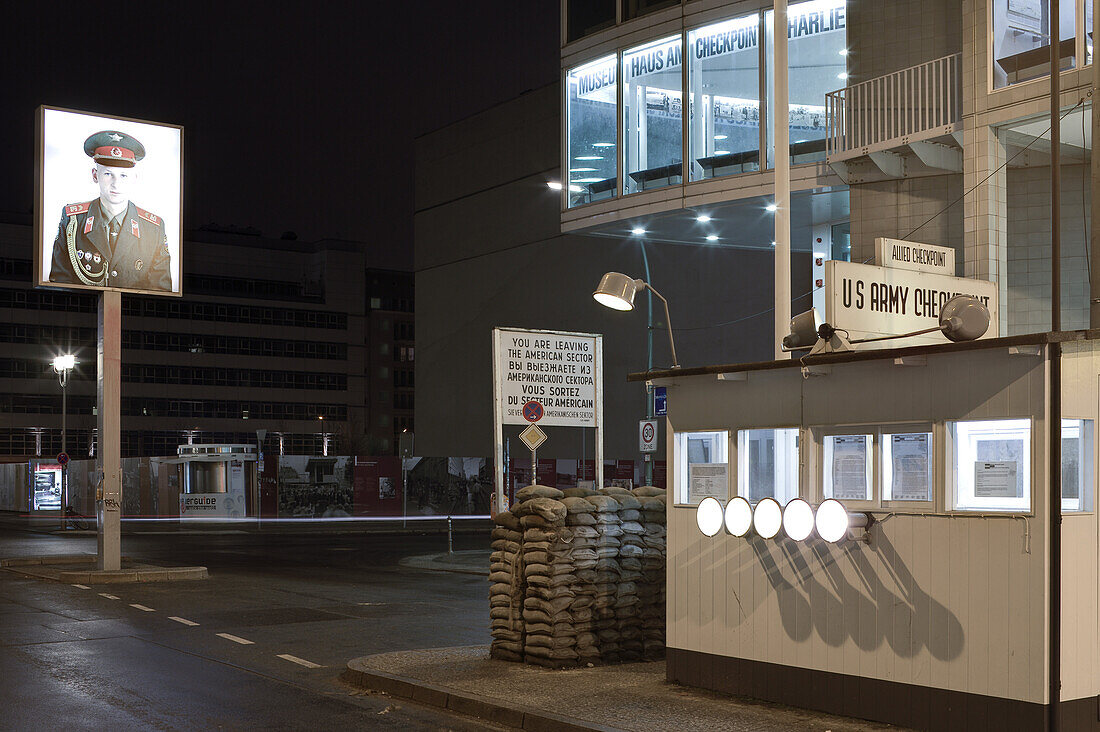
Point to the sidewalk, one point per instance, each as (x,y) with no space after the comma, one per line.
(632,696)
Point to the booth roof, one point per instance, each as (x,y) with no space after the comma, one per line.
(1027,339)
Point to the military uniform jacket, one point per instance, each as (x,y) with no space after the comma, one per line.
(83,255)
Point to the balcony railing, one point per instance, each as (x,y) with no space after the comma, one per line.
(916,103)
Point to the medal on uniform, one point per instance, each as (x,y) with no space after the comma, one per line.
(96,258)
(138,264)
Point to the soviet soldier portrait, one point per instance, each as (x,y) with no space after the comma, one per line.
(110,241)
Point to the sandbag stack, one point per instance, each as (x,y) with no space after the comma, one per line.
(580,520)
(507,589)
(651,587)
(578,577)
(549,636)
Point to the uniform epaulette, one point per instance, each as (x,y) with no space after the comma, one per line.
(152,218)
(73,209)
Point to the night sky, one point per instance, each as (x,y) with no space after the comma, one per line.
(297,116)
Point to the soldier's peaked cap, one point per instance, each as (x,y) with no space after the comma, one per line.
(111,147)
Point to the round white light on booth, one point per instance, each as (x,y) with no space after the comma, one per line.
(709,516)
(767,518)
(738,516)
(832,521)
(798,519)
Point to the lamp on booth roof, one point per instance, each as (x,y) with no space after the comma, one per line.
(617,291)
(962,318)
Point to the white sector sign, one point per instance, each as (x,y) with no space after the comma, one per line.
(869,301)
(560,371)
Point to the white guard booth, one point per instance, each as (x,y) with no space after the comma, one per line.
(935,616)
(216,481)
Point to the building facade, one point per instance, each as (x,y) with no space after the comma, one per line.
(270,334)
(919,121)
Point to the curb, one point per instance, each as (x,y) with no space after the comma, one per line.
(113,577)
(474,705)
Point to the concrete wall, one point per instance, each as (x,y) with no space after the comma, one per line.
(489,252)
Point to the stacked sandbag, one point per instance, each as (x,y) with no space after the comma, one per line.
(608,530)
(550,638)
(580,521)
(627,600)
(651,587)
(507,589)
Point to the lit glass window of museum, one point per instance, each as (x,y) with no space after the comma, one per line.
(727,120)
(592,147)
(724,90)
(1021,32)
(653,115)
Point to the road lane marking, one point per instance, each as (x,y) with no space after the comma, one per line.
(185,621)
(299,661)
(83,587)
(235,639)
(142,608)
(109,597)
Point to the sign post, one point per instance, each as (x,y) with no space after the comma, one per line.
(551,377)
(533,437)
(108,384)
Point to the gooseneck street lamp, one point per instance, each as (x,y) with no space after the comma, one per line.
(617,291)
(63,365)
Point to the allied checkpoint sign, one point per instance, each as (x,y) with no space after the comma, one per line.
(549,378)
(108,203)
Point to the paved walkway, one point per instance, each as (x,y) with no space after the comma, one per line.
(633,696)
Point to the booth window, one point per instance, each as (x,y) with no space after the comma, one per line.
(724,94)
(592,131)
(1021,39)
(992,465)
(907,466)
(817,55)
(767,464)
(1077,464)
(653,115)
(702,465)
(849,467)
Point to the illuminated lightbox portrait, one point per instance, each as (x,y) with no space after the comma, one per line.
(109,203)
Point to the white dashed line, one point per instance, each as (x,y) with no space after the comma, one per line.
(299,661)
(235,639)
(142,608)
(82,587)
(109,597)
(185,621)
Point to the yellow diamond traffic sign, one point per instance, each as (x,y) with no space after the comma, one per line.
(533,437)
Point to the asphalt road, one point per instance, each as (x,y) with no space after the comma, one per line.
(260,645)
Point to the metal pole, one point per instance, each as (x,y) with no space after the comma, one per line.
(1054,495)
(404,494)
(1094,239)
(781,135)
(649,363)
(450,540)
(108,384)
(64,377)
